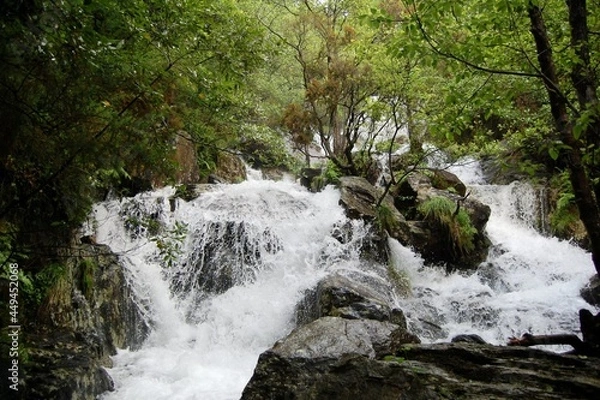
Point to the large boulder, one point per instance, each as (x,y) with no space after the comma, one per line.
(229,169)
(446,180)
(428,238)
(309,178)
(285,370)
(340,296)
(436,247)
(186,159)
(226,253)
(360,198)
(333,337)
(426,372)
(591,291)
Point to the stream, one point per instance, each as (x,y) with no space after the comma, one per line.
(218,278)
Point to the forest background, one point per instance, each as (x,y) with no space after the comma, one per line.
(96,94)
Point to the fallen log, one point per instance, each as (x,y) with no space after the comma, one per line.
(590,331)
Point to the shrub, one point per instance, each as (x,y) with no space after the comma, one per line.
(385,220)
(458,227)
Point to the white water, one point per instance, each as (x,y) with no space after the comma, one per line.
(529,283)
(205,346)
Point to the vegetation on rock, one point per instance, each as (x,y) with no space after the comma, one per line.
(452,221)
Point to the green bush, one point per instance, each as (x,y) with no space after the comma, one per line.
(385,220)
(330,175)
(441,211)
(263,147)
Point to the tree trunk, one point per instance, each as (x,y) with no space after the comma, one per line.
(584,195)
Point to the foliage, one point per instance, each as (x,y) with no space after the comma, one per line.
(345,89)
(87,269)
(44,280)
(94,92)
(385,219)
(169,243)
(458,227)
(263,147)
(387,145)
(564,217)
(330,175)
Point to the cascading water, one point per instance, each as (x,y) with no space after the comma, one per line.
(529,283)
(221,285)
(218,279)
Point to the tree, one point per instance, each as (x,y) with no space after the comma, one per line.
(96,91)
(582,130)
(492,42)
(344,75)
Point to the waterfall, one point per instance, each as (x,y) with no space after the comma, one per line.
(218,279)
(529,283)
(220,284)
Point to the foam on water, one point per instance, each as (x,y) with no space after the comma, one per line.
(529,283)
(204,345)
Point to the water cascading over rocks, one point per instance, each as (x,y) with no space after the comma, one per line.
(225,287)
(224,253)
(299,249)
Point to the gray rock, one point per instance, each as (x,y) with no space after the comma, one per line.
(230,168)
(333,337)
(426,238)
(339,296)
(591,292)
(428,372)
(445,180)
(87,315)
(360,198)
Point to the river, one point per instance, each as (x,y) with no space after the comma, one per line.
(218,279)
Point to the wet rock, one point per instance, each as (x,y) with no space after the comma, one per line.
(445,180)
(429,239)
(225,253)
(274,174)
(189,192)
(333,337)
(186,159)
(308,178)
(468,338)
(373,246)
(339,296)
(360,199)
(229,169)
(440,371)
(89,313)
(591,292)
(64,365)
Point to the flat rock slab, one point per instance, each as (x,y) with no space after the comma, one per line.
(428,372)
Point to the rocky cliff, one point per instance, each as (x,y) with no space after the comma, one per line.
(87,315)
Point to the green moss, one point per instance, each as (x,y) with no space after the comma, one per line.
(395,359)
(88,270)
(330,175)
(46,279)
